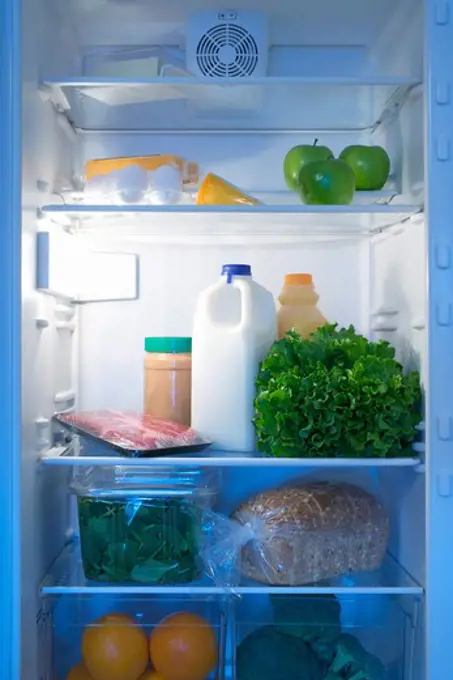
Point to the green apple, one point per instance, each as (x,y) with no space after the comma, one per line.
(299,156)
(328,182)
(370,164)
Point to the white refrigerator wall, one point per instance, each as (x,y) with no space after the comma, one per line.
(349,38)
(112,334)
(399,301)
(47,356)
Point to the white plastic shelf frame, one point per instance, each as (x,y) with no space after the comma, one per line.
(286,220)
(186,104)
(75,456)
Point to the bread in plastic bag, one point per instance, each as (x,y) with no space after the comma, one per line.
(297,534)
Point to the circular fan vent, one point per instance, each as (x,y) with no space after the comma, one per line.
(227,51)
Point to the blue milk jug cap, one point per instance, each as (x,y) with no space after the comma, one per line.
(230,270)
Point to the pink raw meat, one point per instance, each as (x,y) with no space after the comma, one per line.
(135,431)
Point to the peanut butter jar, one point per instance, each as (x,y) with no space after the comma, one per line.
(168,378)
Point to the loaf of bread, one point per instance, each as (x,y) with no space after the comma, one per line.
(306,533)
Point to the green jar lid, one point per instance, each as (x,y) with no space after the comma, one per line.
(168,345)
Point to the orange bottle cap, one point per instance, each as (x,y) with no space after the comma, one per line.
(298,279)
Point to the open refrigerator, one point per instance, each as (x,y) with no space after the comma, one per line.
(81,285)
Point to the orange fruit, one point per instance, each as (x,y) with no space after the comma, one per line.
(183,647)
(79,672)
(114,647)
(151,675)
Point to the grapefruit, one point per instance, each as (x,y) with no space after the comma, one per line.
(114,647)
(79,672)
(183,647)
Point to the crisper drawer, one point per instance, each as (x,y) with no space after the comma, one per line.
(226,637)
(123,637)
(325,637)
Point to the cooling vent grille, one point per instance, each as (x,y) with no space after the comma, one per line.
(227,51)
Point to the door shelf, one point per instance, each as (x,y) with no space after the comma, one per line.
(193,104)
(191,224)
(66,577)
(66,457)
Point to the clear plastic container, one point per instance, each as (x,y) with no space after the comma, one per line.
(159,179)
(142,526)
(70,619)
(325,636)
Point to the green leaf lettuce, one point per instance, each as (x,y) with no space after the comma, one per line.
(335,394)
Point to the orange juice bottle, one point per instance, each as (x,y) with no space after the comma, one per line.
(298,306)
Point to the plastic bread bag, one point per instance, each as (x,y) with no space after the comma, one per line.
(302,532)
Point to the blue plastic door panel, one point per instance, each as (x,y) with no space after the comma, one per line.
(10,344)
(439,182)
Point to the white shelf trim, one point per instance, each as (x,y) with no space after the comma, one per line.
(371,81)
(91,103)
(375,208)
(60,456)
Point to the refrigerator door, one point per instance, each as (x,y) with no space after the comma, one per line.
(439,478)
(10,344)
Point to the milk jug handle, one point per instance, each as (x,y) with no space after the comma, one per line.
(246,302)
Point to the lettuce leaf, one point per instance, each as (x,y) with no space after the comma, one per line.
(335,394)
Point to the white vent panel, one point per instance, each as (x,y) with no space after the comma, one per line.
(227,44)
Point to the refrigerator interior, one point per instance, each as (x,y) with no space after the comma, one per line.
(359,80)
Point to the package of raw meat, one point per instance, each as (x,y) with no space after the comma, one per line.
(133,434)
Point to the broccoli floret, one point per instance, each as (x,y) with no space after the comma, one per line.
(324,648)
(353,662)
(308,617)
(268,654)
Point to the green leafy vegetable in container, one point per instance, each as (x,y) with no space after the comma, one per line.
(352,661)
(308,618)
(335,394)
(268,654)
(140,540)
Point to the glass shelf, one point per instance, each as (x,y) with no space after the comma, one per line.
(276,200)
(282,223)
(64,456)
(189,104)
(66,577)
